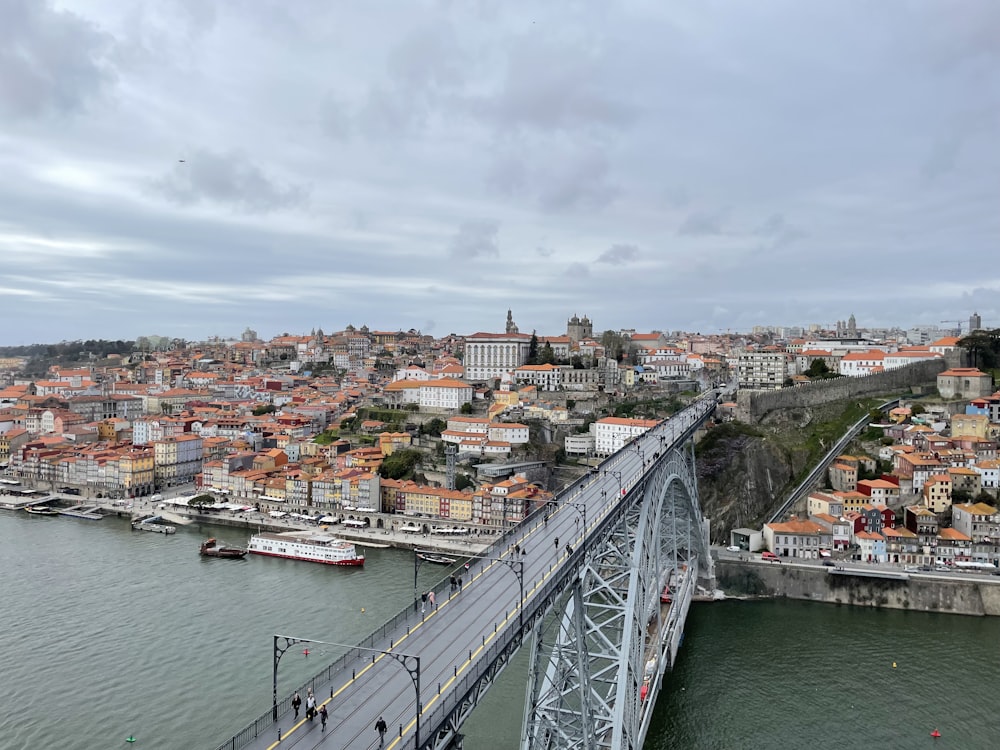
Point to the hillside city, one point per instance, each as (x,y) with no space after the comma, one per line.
(481,429)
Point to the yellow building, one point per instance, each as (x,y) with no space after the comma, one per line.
(970,425)
(136,472)
(390,442)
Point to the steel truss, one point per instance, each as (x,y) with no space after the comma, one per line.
(584,688)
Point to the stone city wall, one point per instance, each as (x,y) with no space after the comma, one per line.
(753,406)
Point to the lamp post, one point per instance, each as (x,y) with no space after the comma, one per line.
(617,475)
(580,508)
(410,662)
(641,452)
(517,568)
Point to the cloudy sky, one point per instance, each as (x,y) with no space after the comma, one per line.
(192,167)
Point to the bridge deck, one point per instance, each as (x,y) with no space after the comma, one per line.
(464,626)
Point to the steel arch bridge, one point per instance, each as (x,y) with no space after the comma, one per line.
(612,639)
(601,637)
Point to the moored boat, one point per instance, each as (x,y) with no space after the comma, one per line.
(152,523)
(310,546)
(436,559)
(41,510)
(212,548)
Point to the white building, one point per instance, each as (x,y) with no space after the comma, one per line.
(580,445)
(856,364)
(762,370)
(611,433)
(543,377)
(989,474)
(509,432)
(797,538)
(493,355)
(444,394)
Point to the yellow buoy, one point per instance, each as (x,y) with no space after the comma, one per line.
(893,664)
(363,611)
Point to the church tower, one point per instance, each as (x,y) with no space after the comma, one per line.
(511,327)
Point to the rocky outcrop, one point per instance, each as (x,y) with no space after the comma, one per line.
(740,473)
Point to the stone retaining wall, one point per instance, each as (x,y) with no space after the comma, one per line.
(920,593)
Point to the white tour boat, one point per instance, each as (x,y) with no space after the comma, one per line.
(311,546)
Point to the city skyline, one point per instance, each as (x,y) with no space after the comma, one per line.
(185,170)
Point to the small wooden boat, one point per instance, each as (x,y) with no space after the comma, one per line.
(212,548)
(436,559)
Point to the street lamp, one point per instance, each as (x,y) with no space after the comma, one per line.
(580,508)
(517,568)
(617,475)
(410,662)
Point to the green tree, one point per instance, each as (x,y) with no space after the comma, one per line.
(548,356)
(400,465)
(466,408)
(533,350)
(986,497)
(614,345)
(463,481)
(264,409)
(200,501)
(434,427)
(983,347)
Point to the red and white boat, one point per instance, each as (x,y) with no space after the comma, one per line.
(311,546)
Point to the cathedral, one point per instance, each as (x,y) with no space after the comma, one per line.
(578,329)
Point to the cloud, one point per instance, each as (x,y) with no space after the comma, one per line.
(554,86)
(702,223)
(582,183)
(779,231)
(229,179)
(577,271)
(619,255)
(545,252)
(475,239)
(50,60)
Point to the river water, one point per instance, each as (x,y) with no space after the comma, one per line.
(112,633)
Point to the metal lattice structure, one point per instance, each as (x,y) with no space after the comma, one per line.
(611,634)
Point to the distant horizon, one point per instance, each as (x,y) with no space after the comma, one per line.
(499,330)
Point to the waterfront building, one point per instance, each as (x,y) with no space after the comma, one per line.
(871,546)
(797,538)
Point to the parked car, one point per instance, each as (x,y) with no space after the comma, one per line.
(766,555)
(830,563)
(733,548)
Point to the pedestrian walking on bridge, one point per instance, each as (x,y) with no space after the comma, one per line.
(323,716)
(380,727)
(296,702)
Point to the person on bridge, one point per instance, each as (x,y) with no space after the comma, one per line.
(323,716)
(310,706)
(557,544)
(380,727)
(296,702)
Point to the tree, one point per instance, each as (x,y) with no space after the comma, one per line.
(983,347)
(986,497)
(466,408)
(434,427)
(533,350)
(614,345)
(400,465)
(577,361)
(463,481)
(548,356)
(199,502)
(264,409)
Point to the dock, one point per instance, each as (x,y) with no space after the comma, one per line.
(87,512)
